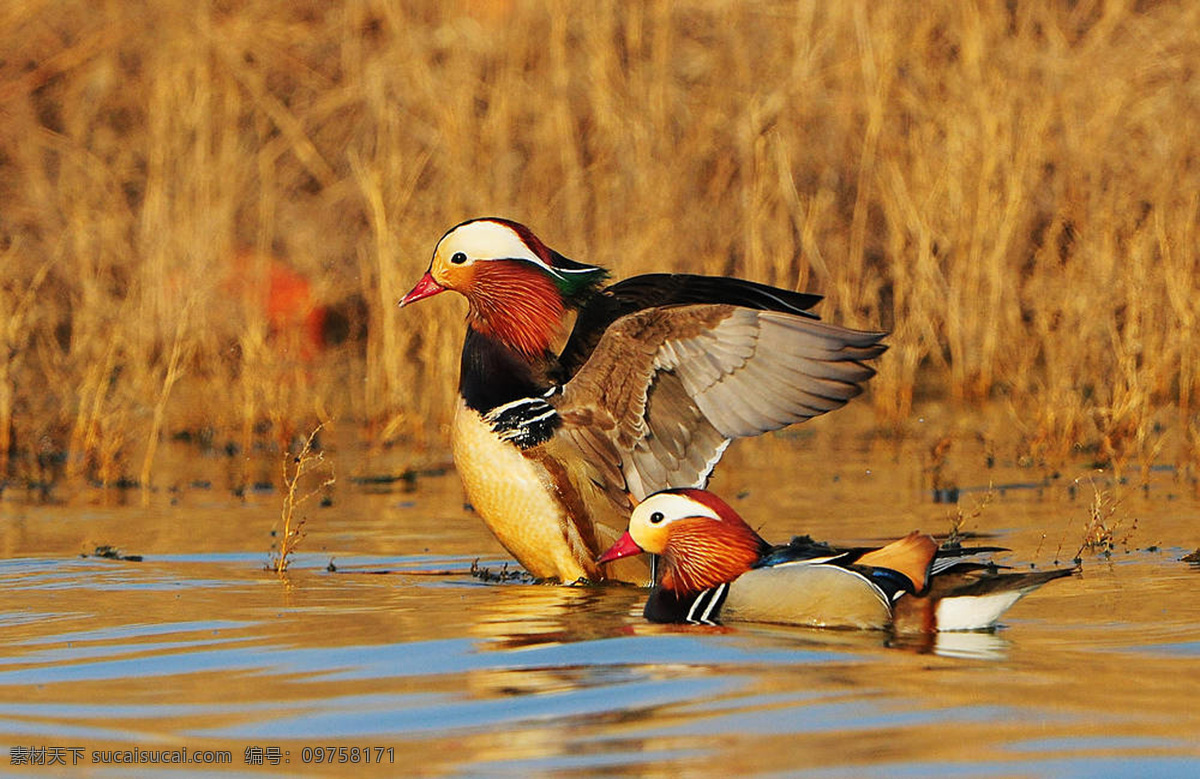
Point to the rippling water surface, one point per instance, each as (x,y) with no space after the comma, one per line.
(417,667)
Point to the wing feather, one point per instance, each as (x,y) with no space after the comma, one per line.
(667,388)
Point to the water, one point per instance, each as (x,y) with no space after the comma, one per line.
(427,670)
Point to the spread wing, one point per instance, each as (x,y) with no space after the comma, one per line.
(651,290)
(666,389)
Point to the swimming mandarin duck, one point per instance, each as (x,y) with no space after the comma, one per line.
(716,569)
(659,373)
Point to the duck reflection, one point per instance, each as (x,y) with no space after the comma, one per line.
(969,645)
(520,616)
(530,615)
(553,662)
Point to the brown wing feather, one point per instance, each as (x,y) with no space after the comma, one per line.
(597,507)
(666,389)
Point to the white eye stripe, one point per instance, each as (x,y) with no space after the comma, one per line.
(486,240)
(672,506)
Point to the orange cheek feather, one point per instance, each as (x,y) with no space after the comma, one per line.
(703,553)
(516,303)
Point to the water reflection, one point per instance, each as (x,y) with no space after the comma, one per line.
(515,615)
(519,616)
(198,646)
(974,645)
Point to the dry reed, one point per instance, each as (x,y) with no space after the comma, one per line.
(1010,188)
(295,467)
(1103,525)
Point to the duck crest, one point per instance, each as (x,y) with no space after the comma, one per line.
(702,553)
(576,281)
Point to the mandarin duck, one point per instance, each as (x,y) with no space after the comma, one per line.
(717,569)
(658,374)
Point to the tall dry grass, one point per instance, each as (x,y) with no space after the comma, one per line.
(1011,188)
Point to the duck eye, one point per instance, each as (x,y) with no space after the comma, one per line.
(656,517)
(459,258)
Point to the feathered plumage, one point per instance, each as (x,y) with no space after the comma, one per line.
(716,568)
(658,375)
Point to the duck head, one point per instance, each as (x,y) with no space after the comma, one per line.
(517,288)
(701,541)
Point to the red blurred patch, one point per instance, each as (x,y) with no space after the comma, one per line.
(298,322)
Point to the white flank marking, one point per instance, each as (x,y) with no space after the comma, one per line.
(713,601)
(974,612)
(495,413)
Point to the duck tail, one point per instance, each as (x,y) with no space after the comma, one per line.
(979,605)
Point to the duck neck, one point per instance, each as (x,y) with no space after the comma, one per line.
(494,373)
(518,306)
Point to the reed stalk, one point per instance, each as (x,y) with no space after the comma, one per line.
(1010,189)
(295,468)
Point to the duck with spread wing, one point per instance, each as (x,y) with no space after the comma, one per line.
(659,373)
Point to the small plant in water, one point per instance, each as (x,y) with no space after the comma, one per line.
(486,574)
(1100,532)
(959,518)
(294,469)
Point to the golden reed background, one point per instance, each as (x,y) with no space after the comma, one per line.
(1012,188)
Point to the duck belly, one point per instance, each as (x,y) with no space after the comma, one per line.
(516,499)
